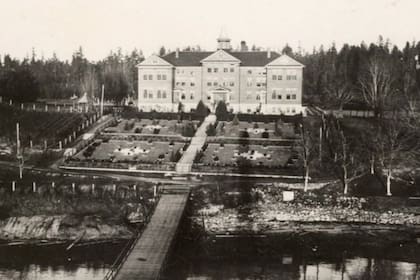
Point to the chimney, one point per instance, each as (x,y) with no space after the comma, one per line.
(177,53)
(244,47)
(268,53)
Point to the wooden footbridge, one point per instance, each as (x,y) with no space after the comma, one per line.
(147,255)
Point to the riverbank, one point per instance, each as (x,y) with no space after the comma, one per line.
(60,208)
(259,210)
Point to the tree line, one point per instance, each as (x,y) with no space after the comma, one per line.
(376,76)
(28,79)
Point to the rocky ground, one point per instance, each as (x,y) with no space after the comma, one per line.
(261,210)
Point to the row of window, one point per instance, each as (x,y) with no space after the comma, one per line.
(288,77)
(225,70)
(232,84)
(149,94)
(192,84)
(159,77)
(279,96)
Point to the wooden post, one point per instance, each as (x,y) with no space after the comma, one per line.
(34,187)
(114,188)
(45,145)
(58,108)
(93,188)
(154,190)
(74,134)
(46,108)
(60,145)
(73,187)
(21,106)
(102,100)
(30,144)
(33,107)
(53,184)
(13,186)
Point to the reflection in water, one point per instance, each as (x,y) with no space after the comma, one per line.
(297,258)
(54,262)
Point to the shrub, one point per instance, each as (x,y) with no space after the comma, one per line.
(222,113)
(156,131)
(129,125)
(256,125)
(243,134)
(235,120)
(138,130)
(202,111)
(265,134)
(175,156)
(211,130)
(188,130)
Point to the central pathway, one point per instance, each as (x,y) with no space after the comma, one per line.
(185,163)
(147,258)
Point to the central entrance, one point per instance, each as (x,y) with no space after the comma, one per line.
(220,94)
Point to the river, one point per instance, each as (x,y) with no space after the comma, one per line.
(55,263)
(227,258)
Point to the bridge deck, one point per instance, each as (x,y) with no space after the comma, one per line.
(148,255)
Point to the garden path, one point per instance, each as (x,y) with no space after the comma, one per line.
(185,163)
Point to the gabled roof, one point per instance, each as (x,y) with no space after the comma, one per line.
(285,60)
(186,58)
(154,60)
(255,58)
(247,59)
(221,55)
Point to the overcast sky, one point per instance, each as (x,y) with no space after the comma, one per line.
(98,26)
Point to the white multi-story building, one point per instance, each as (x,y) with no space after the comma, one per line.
(247,81)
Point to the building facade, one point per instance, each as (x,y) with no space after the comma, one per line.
(247,81)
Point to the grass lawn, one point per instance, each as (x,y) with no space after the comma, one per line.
(142,151)
(147,126)
(256,155)
(255,129)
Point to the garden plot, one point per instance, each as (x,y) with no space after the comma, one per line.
(147,126)
(135,151)
(254,155)
(255,130)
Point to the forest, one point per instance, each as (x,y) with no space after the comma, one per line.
(377,76)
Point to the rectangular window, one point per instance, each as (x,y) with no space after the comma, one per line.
(274,77)
(192,84)
(232,84)
(150,77)
(192,95)
(164,77)
(293,96)
(145,93)
(144,77)
(225,70)
(215,70)
(159,77)
(159,95)
(288,96)
(279,96)
(150,94)
(214,83)
(209,70)
(183,84)
(164,94)
(232,70)
(209,84)
(249,71)
(279,77)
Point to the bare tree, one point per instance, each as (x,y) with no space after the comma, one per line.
(340,92)
(377,84)
(397,146)
(308,147)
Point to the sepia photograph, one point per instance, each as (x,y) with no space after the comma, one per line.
(210,140)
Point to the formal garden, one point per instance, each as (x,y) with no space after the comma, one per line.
(133,154)
(161,127)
